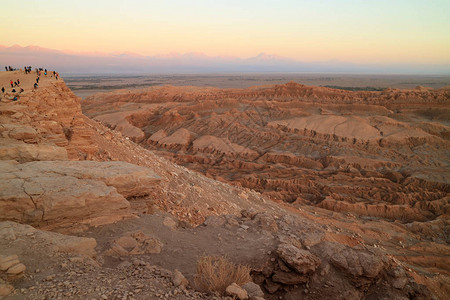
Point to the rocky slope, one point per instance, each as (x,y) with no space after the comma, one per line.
(136,214)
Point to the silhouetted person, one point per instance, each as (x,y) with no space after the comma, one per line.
(13,91)
(18,81)
(12,84)
(6,68)
(36,85)
(3,89)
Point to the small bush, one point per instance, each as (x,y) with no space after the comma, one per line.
(216,273)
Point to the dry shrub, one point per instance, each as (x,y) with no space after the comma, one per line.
(216,273)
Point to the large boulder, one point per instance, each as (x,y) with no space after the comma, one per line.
(302,261)
(62,193)
(236,292)
(13,234)
(352,261)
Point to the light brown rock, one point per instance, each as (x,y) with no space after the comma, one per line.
(56,242)
(60,193)
(16,269)
(8,261)
(352,261)
(22,152)
(303,261)
(127,242)
(235,290)
(179,280)
(5,288)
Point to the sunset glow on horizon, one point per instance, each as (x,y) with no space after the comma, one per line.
(353,31)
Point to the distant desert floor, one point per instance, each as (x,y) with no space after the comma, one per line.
(86,85)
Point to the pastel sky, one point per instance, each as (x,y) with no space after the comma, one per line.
(379,31)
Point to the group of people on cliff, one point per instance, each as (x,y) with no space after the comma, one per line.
(16,84)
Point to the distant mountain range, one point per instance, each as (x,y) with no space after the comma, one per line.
(69,62)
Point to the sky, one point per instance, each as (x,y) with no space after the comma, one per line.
(365,31)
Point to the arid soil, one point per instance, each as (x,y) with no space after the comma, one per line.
(113,220)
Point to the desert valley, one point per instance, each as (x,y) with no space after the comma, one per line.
(310,192)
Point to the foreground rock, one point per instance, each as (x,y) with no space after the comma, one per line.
(236,291)
(304,262)
(56,194)
(12,234)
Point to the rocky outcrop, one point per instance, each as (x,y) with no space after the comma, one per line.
(236,291)
(43,120)
(354,262)
(14,233)
(39,133)
(302,261)
(55,194)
